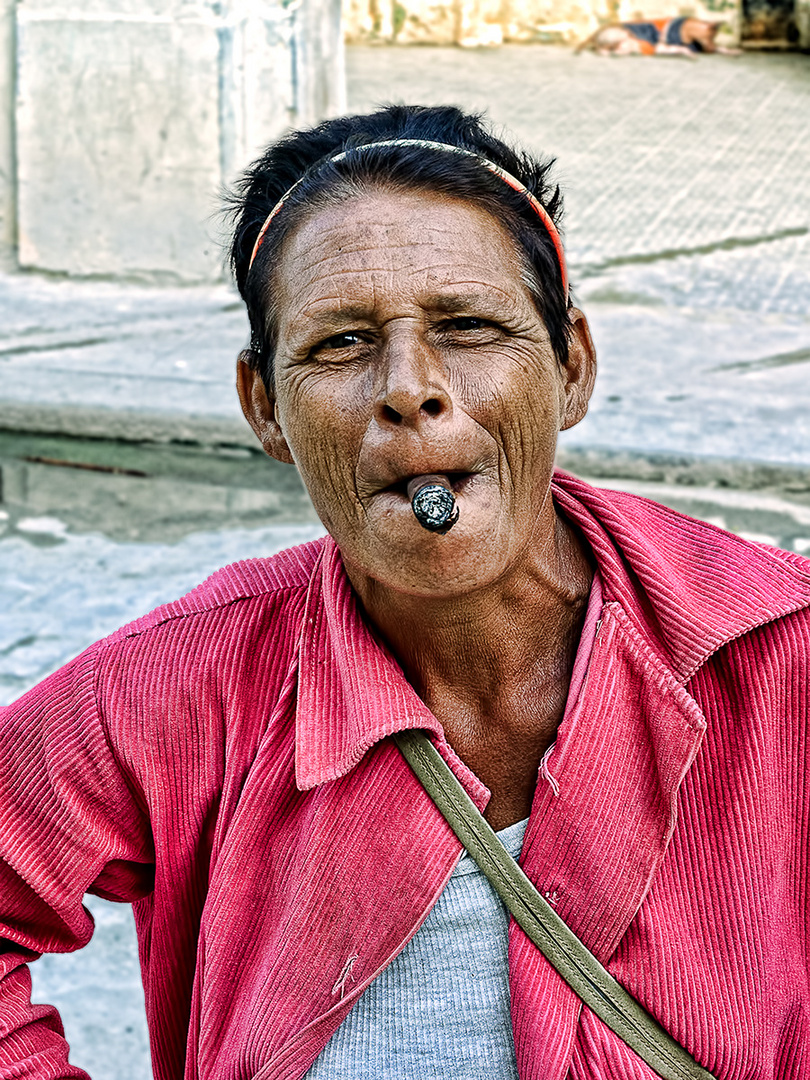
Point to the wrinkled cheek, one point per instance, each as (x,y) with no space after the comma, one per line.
(327,471)
(330,483)
(528,447)
(320,431)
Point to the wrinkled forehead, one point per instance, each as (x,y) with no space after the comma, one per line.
(377,247)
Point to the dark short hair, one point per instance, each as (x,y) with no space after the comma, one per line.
(303,158)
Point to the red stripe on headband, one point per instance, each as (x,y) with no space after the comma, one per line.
(512,181)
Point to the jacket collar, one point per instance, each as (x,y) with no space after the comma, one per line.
(351,691)
(687,588)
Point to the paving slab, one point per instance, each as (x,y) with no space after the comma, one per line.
(654,155)
(727,385)
(123,361)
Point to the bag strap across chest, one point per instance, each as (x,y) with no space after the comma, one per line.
(589,980)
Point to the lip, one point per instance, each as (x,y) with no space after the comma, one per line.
(390,473)
(459,481)
(386,465)
(393,500)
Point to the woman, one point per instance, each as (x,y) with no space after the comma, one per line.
(625,685)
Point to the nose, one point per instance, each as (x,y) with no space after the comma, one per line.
(413,386)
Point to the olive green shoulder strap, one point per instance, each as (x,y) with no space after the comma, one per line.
(589,980)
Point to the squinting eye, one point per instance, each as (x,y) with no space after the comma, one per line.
(341,341)
(469,323)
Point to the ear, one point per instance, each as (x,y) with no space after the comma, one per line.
(579,372)
(259,408)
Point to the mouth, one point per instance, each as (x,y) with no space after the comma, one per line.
(458,481)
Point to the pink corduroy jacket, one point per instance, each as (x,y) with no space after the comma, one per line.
(223,763)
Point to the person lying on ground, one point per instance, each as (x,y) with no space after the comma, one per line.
(682,36)
(622,690)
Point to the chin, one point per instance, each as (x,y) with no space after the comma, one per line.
(428,564)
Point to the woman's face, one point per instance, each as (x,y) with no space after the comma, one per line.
(409,344)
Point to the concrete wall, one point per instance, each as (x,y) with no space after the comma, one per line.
(131,114)
(8,202)
(803,22)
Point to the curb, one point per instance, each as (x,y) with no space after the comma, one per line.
(686,470)
(78,422)
(682,469)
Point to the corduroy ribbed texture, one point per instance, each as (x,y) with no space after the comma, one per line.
(160,767)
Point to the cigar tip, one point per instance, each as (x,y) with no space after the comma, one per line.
(434,506)
(428,480)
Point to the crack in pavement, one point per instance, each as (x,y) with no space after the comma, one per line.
(730,243)
(785,359)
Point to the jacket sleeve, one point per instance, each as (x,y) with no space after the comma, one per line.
(71,821)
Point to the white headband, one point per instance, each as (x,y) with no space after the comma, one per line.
(512,181)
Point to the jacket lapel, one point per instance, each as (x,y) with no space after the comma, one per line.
(594,848)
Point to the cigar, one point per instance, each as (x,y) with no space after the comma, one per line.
(433,502)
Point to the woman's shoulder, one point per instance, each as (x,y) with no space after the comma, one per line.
(272,583)
(239,626)
(688,586)
(634,521)
(214,660)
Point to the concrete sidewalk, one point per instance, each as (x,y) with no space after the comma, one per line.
(689,242)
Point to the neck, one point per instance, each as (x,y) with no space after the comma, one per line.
(494,663)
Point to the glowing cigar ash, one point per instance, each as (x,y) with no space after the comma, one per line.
(433,502)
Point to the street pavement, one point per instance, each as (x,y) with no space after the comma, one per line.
(128,473)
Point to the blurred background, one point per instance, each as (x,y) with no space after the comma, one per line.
(126,471)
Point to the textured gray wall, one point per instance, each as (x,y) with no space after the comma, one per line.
(131,114)
(8,204)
